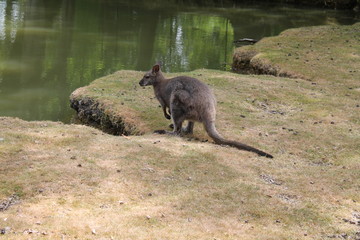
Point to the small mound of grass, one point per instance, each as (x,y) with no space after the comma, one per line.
(322,54)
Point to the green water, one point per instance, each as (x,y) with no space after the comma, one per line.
(50,48)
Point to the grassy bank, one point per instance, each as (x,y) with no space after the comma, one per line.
(325,54)
(73,181)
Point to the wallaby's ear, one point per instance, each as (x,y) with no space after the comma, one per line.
(156,68)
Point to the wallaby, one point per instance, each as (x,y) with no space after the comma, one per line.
(189,99)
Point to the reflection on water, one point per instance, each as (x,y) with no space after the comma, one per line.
(50,48)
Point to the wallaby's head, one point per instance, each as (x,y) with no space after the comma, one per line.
(151,77)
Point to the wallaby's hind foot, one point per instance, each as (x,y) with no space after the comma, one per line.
(160,131)
(172,133)
(188,130)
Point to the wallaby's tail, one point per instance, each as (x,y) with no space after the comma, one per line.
(213,133)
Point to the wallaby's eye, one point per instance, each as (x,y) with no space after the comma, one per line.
(147,76)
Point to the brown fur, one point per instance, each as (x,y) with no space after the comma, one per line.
(189,99)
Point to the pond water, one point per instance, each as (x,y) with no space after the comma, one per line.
(50,48)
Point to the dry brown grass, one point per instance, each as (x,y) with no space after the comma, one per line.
(75,182)
(189,189)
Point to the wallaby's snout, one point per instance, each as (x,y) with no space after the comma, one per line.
(145,81)
(141,83)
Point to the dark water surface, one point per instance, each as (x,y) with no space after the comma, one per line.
(50,48)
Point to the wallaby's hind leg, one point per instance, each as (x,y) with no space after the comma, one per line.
(177,112)
(189,128)
(178,118)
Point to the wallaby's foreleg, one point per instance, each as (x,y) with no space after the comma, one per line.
(164,108)
(166,114)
